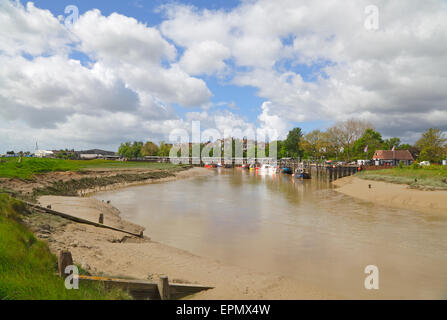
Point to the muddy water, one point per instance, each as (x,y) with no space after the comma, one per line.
(300,229)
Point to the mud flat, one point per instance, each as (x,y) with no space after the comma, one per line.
(394,195)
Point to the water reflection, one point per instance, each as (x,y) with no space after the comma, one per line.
(298,228)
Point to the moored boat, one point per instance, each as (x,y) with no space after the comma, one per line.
(286,170)
(266,168)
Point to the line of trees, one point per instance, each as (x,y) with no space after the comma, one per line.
(345,141)
(356,139)
(138,149)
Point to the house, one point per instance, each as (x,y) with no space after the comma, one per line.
(390,157)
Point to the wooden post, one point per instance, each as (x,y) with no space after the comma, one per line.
(65,259)
(101,218)
(163,288)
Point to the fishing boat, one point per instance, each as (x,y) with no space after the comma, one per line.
(286,170)
(301,174)
(266,168)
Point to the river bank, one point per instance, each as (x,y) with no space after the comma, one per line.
(393,195)
(86,181)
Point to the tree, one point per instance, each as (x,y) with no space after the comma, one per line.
(149,149)
(345,134)
(292,143)
(388,144)
(314,144)
(370,138)
(163,150)
(432,145)
(130,150)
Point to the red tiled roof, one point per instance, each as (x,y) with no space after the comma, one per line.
(390,155)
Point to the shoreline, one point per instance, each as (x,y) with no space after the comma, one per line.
(393,195)
(185,174)
(111,253)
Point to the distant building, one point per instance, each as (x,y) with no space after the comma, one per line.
(88,156)
(97,154)
(43,154)
(97,151)
(389,157)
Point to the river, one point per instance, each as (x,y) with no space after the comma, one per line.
(300,229)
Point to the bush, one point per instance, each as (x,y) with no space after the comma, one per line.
(415,165)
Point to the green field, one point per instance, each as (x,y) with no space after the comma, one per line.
(11,168)
(27,267)
(418,177)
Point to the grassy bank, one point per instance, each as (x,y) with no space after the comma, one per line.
(11,168)
(434,177)
(27,267)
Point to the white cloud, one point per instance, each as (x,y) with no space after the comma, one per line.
(205,58)
(30,29)
(118,39)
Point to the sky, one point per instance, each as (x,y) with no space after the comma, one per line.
(143,70)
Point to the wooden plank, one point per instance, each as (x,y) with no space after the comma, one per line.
(163,288)
(80,220)
(65,259)
(143,290)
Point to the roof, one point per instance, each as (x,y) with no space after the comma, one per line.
(390,155)
(97,151)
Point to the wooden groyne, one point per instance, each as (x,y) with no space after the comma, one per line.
(146,290)
(80,220)
(138,289)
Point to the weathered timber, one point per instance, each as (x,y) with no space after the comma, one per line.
(146,290)
(76,219)
(64,260)
(163,288)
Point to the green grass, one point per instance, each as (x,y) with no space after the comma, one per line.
(431,177)
(27,267)
(10,168)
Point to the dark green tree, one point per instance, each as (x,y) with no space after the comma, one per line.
(370,138)
(130,150)
(292,143)
(388,144)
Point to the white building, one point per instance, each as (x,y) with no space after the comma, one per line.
(43,153)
